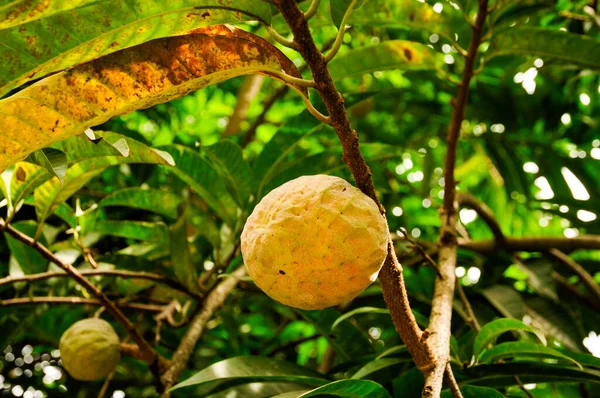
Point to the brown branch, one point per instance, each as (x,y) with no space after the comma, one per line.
(78,301)
(99,272)
(468,308)
(213,301)
(486,214)
(245,95)
(533,244)
(150,355)
(443,296)
(586,278)
(454,388)
(392,281)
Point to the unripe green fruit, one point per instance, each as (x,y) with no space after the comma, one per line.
(314,242)
(90,349)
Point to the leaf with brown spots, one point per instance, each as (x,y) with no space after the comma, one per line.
(66,104)
(389,55)
(39,37)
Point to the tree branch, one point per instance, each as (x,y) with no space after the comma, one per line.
(99,272)
(533,244)
(213,301)
(149,354)
(443,296)
(392,281)
(78,301)
(586,278)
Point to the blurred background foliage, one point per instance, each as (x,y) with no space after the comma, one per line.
(529,149)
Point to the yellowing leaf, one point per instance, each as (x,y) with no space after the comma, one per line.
(68,103)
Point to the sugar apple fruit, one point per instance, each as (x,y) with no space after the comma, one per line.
(90,349)
(314,242)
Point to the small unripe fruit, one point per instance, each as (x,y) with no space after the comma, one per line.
(90,349)
(314,242)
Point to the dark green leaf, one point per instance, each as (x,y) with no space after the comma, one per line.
(491,331)
(474,392)
(185,269)
(29,260)
(344,389)
(53,160)
(250,369)
(154,200)
(522,349)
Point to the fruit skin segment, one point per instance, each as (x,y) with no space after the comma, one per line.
(90,349)
(314,242)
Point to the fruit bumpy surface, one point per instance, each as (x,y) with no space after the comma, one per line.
(314,242)
(90,349)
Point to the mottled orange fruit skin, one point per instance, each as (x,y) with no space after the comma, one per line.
(314,242)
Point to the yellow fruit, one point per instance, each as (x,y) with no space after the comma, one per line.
(90,349)
(314,242)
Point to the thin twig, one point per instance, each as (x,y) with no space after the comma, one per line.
(312,10)
(443,297)
(586,278)
(150,355)
(534,244)
(454,388)
(213,301)
(78,301)
(468,308)
(100,272)
(339,38)
(281,91)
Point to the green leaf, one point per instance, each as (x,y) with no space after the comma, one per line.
(154,200)
(361,310)
(506,300)
(509,10)
(393,350)
(409,14)
(51,194)
(520,349)
(376,365)
(474,392)
(342,388)
(389,55)
(29,260)
(65,37)
(242,370)
(502,374)
(491,331)
(339,9)
(184,267)
(25,178)
(228,159)
(345,339)
(53,160)
(548,44)
(202,176)
(139,230)
(81,147)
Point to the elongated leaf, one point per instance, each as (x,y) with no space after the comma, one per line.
(53,160)
(51,194)
(228,160)
(342,388)
(29,260)
(22,11)
(67,103)
(506,300)
(508,10)
(556,321)
(409,14)
(184,267)
(557,45)
(205,180)
(154,200)
(393,54)
(139,230)
(340,7)
(25,178)
(502,374)
(66,37)
(525,349)
(376,365)
(474,392)
(80,147)
(361,310)
(491,331)
(241,370)
(393,350)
